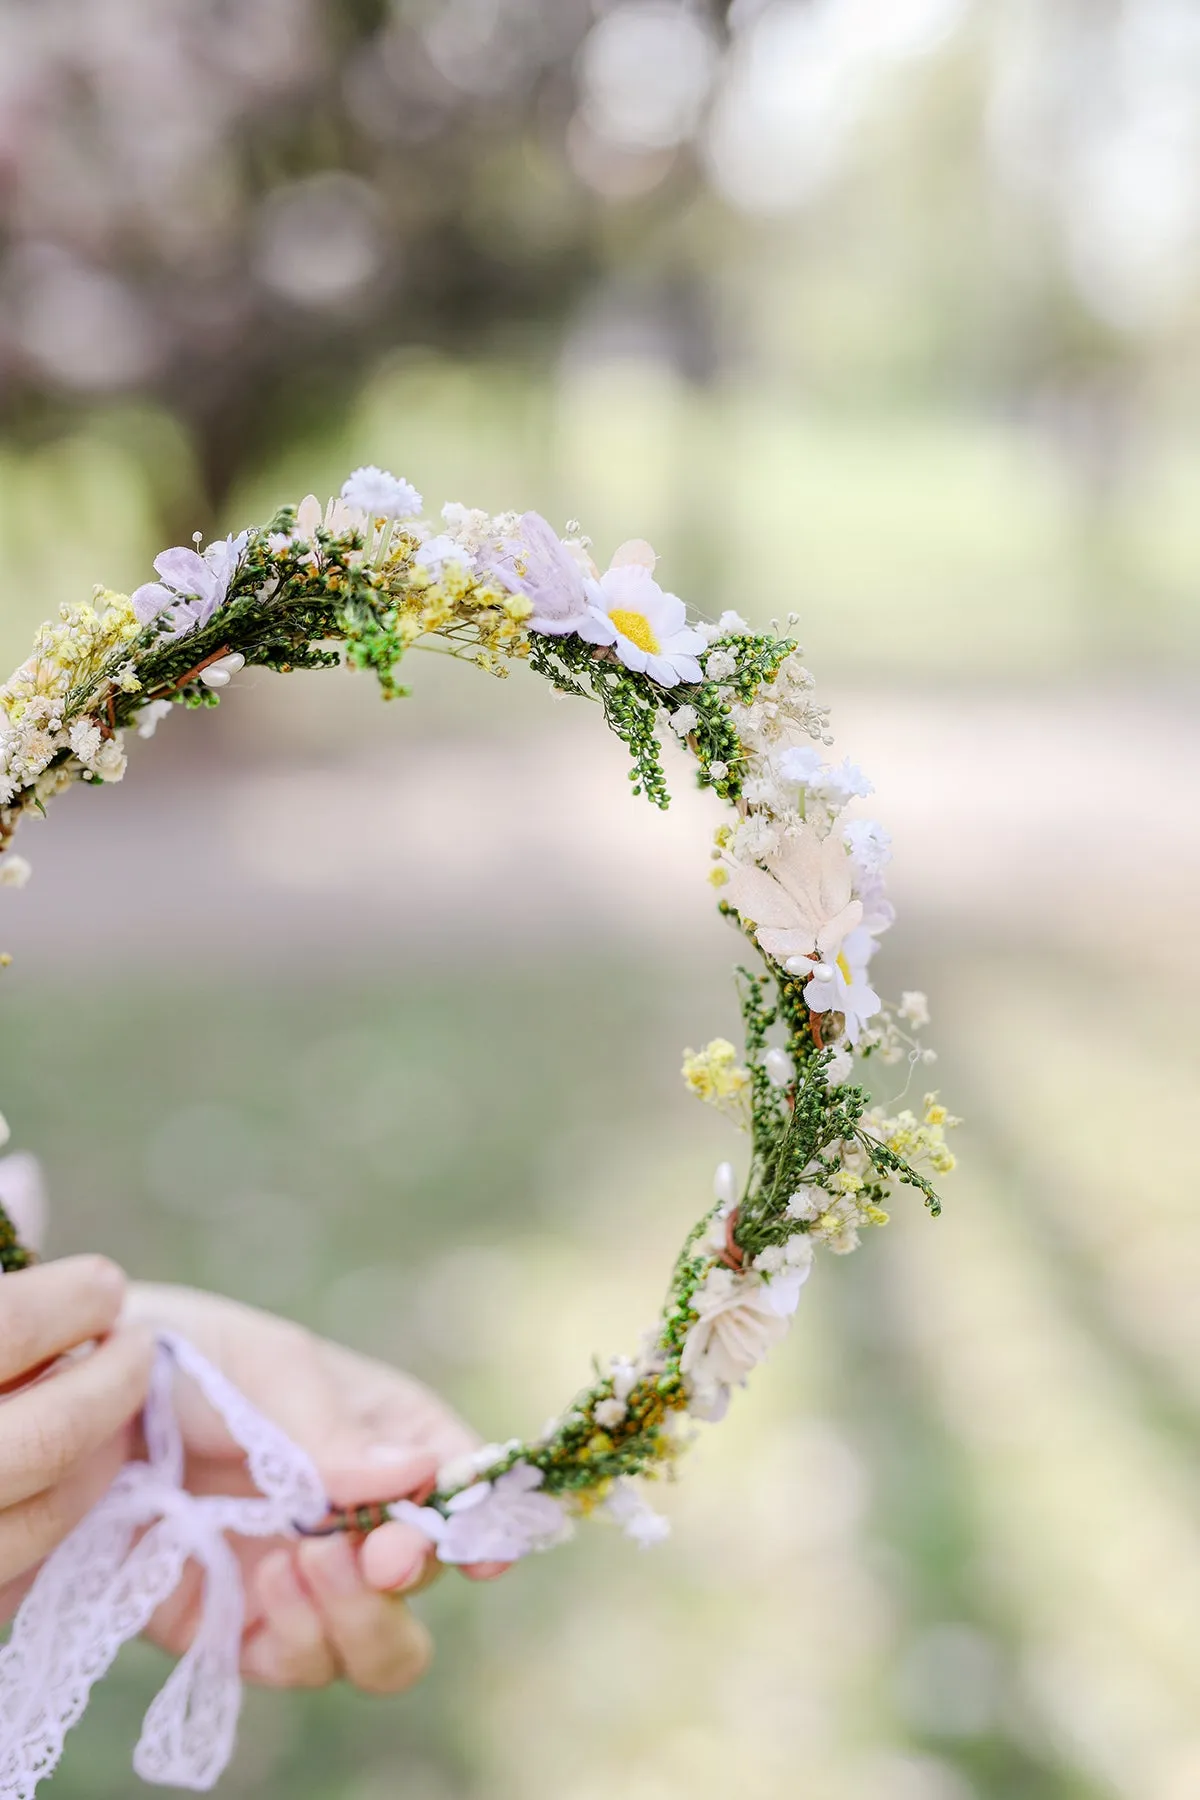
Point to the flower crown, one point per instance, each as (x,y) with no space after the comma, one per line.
(801,882)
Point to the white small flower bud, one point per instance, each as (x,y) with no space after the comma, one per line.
(725,1184)
(780,1069)
(799,965)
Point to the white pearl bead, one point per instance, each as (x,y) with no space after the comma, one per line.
(725,1184)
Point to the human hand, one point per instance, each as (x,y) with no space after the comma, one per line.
(71,1382)
(317,1608)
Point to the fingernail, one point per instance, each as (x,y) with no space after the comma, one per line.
(389,1455)
(410,1576)
(489,1571)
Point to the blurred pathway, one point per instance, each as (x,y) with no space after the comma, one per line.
(1063,819)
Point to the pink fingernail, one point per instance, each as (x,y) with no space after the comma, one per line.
(389,1455)
(411,1576)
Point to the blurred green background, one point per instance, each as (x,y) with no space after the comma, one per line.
(887,313)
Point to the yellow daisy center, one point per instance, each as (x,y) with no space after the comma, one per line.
(844,966)
(637,628)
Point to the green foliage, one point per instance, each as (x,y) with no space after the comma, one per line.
(631,703)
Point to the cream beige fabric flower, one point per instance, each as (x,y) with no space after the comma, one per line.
(738,1319)
(801,900)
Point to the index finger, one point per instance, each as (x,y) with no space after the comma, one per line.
(46,1311)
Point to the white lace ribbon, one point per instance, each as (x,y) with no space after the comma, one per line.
(104,1582)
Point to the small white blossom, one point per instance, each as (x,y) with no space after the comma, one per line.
(493,1521)
(844,781)
(709,1401)
(14,873)
(839,1068)
(683,720)
(23,1193)
(112,762)
(807,1203)
(718,770)
(757,838)
(720,665)
(85,738)
(624,1376)
(381,495)
(870,845)
(799,764)
(913,1008)
(469,524)
(609,1412)
(637,1519)
(781,1070)
(802,765)
(761,791)
(798,1251)
(435,552)
(771,1260)
(461,1470)
(151,716)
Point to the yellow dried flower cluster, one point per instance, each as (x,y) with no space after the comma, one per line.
(458,606)
(717,1076)
(69,655)
(918,1140)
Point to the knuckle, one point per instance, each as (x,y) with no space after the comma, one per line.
(32,1530)
(305,1666)
(55,1437)
(406,1663)
(19,1333)
(104,1280)
(139,1350)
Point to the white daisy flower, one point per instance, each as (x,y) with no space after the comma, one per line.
(652,632)
(844,985)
